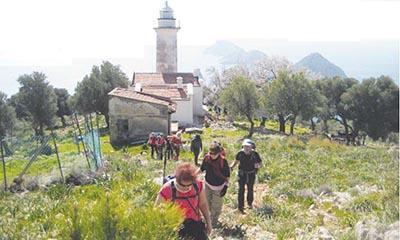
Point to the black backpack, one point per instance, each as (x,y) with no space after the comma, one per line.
(195,143)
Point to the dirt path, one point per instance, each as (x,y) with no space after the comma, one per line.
(234,224)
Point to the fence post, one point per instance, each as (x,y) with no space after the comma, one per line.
(83,142)
(4,165)
(58,157)
(94,143)
(98,132)
(76,137)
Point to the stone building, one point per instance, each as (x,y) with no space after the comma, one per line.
(182,88)
(133,115)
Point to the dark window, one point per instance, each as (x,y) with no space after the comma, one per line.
(122,126)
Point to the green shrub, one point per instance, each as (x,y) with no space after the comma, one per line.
(366,203)
(393,138)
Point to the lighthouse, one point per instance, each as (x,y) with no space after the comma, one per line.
(167,56)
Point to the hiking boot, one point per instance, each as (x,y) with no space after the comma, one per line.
(250,206)
(241,210)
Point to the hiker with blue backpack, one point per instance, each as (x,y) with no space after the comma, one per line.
(188,193)
(216,180)
(249,162)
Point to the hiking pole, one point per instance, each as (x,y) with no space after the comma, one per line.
(165,166)
(4,165)
(83,142)
(58,157)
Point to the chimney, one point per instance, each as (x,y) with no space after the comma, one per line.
(138,87)
(179,81)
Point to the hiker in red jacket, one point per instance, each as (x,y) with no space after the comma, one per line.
(160,144)
(176,142)
(187,192)
(153,143)
(168,148)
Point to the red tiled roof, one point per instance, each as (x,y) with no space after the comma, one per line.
(164,78)
(145,97)
(170,91)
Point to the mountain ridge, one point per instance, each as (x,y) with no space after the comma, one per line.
(231,54)
(318,64)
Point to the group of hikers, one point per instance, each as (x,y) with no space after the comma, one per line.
(202,201)
(165,147)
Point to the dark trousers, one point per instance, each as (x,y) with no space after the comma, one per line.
(193,230)
(153,149)
(177,150)
(168,153)
(160,152)
(246,179)
(196,156)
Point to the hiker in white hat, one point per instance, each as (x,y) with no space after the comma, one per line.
(249,162)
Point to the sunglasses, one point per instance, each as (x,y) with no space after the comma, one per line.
(185,185)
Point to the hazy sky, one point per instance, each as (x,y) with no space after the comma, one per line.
(54,32)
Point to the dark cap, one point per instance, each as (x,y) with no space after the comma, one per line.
(214,148)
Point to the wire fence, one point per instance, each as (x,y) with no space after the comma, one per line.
(58,150)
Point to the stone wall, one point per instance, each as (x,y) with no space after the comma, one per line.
(132,121)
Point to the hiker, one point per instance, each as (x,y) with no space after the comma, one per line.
(216,180)
(152,142)
(160,144)
(168,148)
(176,145)
(196,146)
(249,162)
(187,192)
(223,153)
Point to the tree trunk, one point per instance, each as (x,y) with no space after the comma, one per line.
(251,130)
(325,126)
(107,120)
(312,125)
(41,133)
(63,121)
(292,122)
(263,120)
(346,130)
(281,123)
(11,133)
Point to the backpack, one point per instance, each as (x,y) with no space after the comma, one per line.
(197,194)
(218,172)
(195,144)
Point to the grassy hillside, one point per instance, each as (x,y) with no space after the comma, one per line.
(306,184)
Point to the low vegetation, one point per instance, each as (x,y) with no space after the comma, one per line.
(306,183)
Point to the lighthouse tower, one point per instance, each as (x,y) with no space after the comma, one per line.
(166,30)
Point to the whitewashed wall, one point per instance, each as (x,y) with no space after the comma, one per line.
(198,101)
(184,112)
